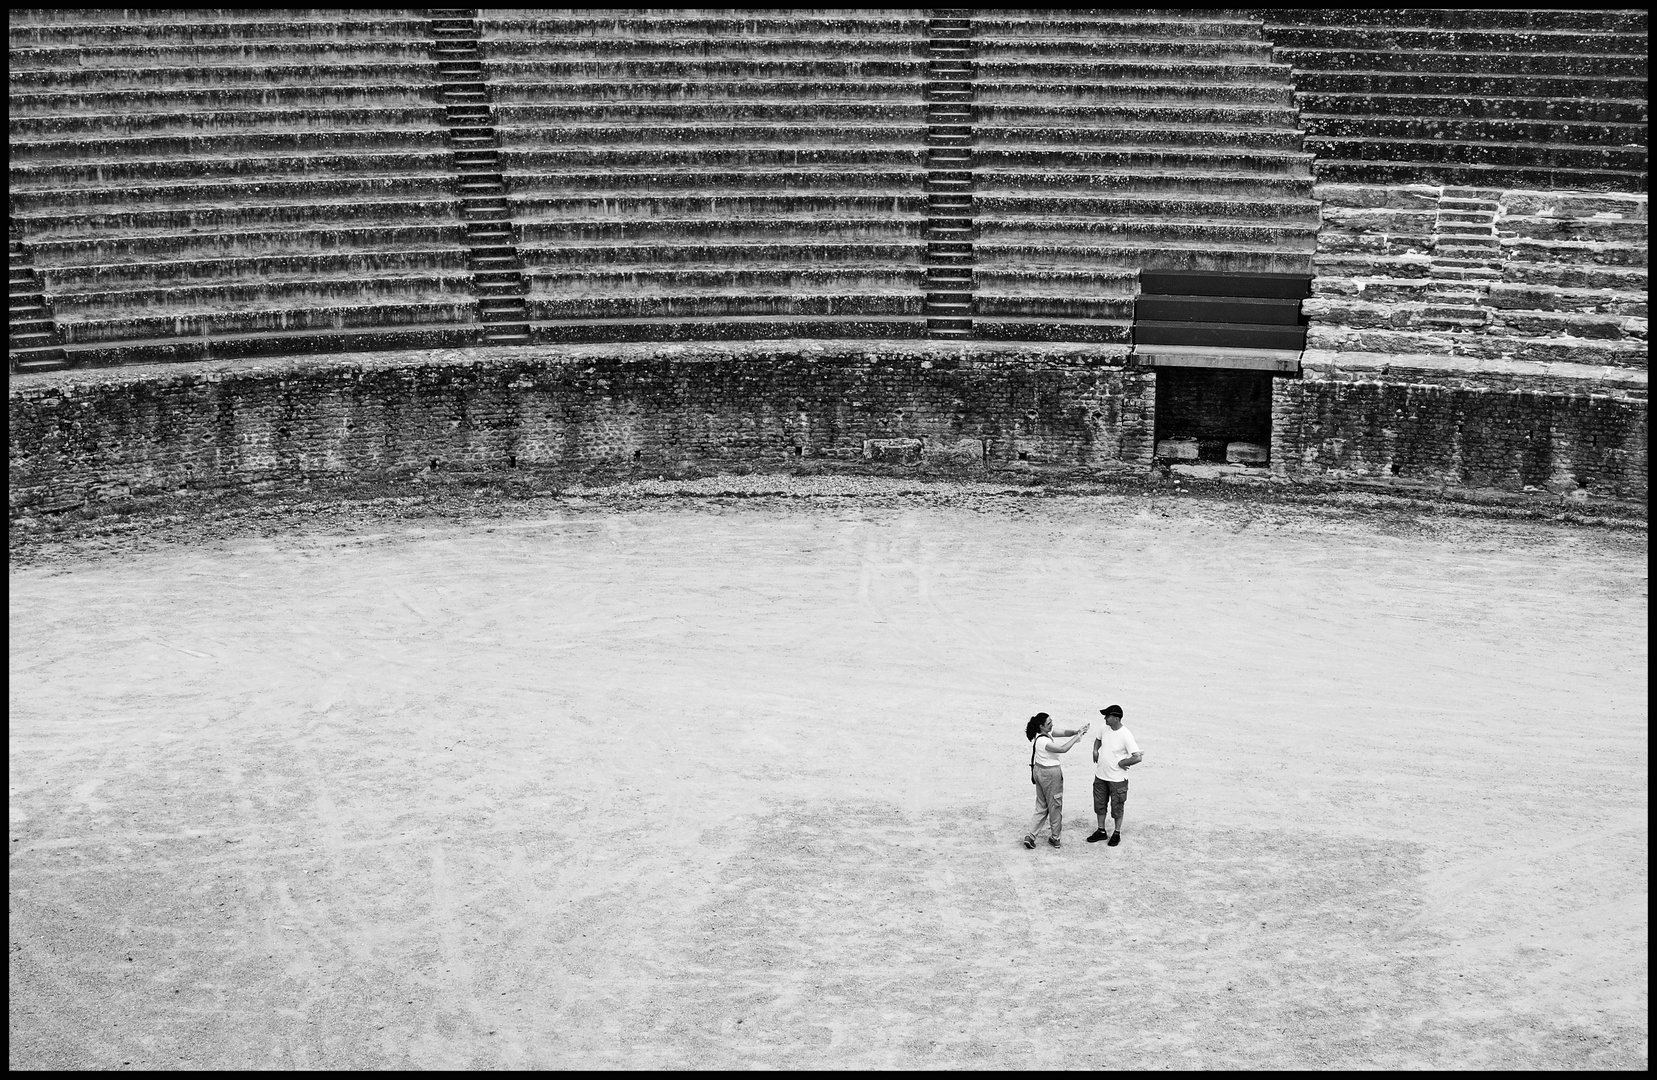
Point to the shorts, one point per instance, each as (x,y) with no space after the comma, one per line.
(1108,797)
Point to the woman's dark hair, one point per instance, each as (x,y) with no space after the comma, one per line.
(1033,728)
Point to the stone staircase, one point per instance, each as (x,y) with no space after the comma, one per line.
(235,182)
(1109,142)
(949,117)
(1548,99)
(33,343)
(705,174)
(463,91)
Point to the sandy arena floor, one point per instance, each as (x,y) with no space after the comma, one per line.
(740,782)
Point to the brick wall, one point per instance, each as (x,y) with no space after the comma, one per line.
(94,435)
(1479,337)
(1474,436)
(91,435)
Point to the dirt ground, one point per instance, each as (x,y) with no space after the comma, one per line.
(612,780)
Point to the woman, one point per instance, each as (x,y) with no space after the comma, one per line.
(1046,746)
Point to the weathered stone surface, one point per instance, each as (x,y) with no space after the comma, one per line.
(1558,323)
(1247,453)
(1413,221)
(1465,436)
(1551,296)
(893,451)
(1368,196)
(1177,449)
(1540,298)
(1567,204)
(74,434)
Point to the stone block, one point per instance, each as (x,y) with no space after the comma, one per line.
(1247,453)
(892,451)
(1177,449)
(954,452)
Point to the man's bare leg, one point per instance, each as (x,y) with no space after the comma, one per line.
(1099,833)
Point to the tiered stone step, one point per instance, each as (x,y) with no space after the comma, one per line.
(1493,98)
(716,291)
(260,174)
(46,26)
(1617,20)
(163,106)
(1112,141)
(710,159)
(414,117)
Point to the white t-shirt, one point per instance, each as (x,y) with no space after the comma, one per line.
(1044,751)
(1113,747)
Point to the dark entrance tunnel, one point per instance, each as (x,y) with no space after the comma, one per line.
(1214,407)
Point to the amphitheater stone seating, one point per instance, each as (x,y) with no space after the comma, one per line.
(1536,99)
(724,174)
(1481,175)
(1388,243)
(1112,141)
(186,181)
(261,180)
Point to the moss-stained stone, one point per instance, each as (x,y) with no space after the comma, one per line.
(89,435)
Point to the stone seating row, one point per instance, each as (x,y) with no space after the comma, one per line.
(842,23)
(132,26)
(1628,20)
(368,119)
(1455,108)
(1517,45)
(34,63)
(190,175)
(277,151)
(185,100)
(1031,61)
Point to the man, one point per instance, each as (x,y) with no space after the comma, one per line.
(1048,777)
(1114,753)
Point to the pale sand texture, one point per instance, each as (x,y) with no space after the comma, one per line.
(702,782)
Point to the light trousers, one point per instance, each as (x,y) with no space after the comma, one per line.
(1049,801)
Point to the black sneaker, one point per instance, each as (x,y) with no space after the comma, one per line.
(1030,842)
(1053,841)
(1095,836)
(1115,839)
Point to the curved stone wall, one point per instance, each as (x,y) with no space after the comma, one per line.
(80,437)
(84,438)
